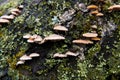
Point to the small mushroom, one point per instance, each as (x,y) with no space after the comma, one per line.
(25,57)
(38,38)
(94,26)
(69,53)
(27,36)
(4,20)
(60,28)
(14,13)
(20,62)
(90,34)
(34,55)
(15,10)
(7,17)
(114,7)
(58,55)
(99,14)
(95,38)
(92,7)
(30,40)
(20,6)
(80,41)
(54,37)
(94,12)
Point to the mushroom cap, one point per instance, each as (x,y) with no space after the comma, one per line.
(60,28)
(21,6)
(25,57)
(7,17)
(94,12)
(4,20)
(14,13)
(20,62)
(90,34)
(27,36)
(38,38)
(54,37)
(95,38)
(79,41)
(30,40)
(34,55)
(58,55)
(114,7)
(34,36)
(99,14)
(69,53)
(94,26)
(15,10)
(92,7)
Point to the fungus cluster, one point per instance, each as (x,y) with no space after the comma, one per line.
(5,19)
(25,57)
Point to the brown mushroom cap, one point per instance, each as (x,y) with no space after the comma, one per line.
(99,14)
(25,57)
(54,37)
(94,12)
(8,17)
(114,7)
(92,7)
(90,34)
(30,40)
(95,38)
(4,20)
(69,53)
(58,55)
(80,41)
(60,28)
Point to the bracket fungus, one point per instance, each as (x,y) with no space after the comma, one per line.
(80,41)
(4,20)
(7,17)
(20,6)
(60,28)
(15,10)
(69,53)
(114,8)
(20,62)
(58,55)
(34,55)
(90,35)
(38,39)
(54,37)
(99,14)
(90,7)
(27,36)
(25,57)
(95,39)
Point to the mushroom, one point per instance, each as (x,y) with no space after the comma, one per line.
(15,10)
(54,37)
(4,20)
(14,13)
(60,28)
(27,36)
(114,7)
(94,26)
(90,34)
(69,53)
(38,38)
(25,57)
(34,55)
(7,17)
(95,38)
(80,41)
(58,55)
(31,40)
(92,7)
(20,6)
(99,14)
(20,62)
(94,12)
